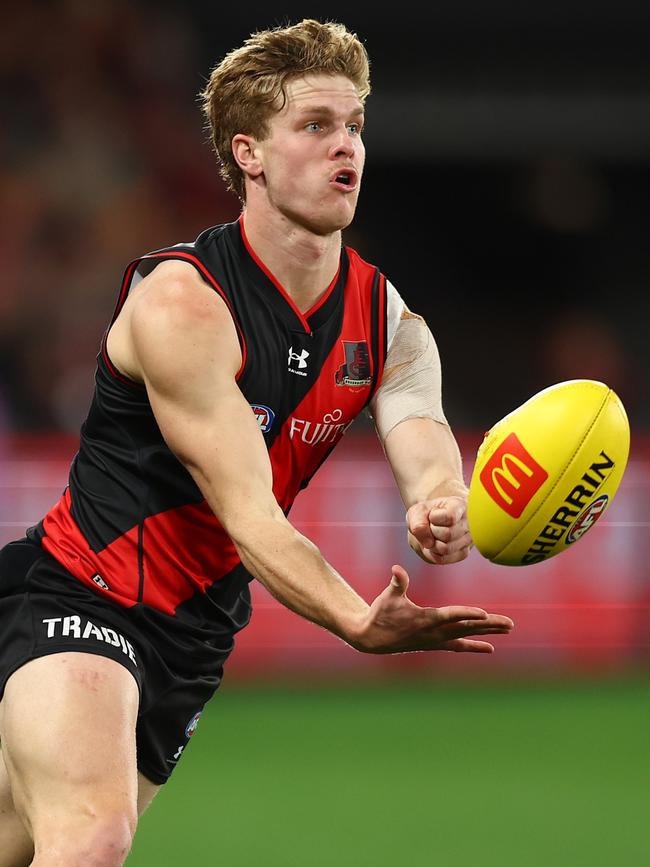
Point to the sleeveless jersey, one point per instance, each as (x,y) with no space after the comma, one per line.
(132,524)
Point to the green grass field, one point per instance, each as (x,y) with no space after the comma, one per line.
(508,774)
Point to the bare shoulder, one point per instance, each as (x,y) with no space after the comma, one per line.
(173,320)
(176,290)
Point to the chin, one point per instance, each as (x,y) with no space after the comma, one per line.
(326,220)
(326,223)
(328,228)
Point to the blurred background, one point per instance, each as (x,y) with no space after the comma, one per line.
(506,195)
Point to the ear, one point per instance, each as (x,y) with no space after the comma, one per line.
(245,151)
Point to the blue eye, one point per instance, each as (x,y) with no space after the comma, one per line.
(313,126)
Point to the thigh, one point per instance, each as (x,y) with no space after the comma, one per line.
(16,848)
(9,820)
(67,727)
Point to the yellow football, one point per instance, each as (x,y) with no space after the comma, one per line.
(546,472)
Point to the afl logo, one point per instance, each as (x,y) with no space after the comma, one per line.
(264,415)
(587,519)
(192,724)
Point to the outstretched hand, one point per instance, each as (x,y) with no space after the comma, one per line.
(394,624)
(438,530)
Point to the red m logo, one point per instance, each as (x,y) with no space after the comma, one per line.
(512,476)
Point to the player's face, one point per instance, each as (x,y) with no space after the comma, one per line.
(313,157)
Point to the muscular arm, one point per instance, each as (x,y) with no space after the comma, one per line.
(426,462)
(186,351)
(179,339)
(419,444)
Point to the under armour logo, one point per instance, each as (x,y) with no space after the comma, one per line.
(300,358)
(99,581)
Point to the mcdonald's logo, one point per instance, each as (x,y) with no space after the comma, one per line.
(512,476)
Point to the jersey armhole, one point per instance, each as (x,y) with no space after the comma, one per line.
(378,330)
(127,283)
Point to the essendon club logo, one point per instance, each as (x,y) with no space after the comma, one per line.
(356,369)
(512,476)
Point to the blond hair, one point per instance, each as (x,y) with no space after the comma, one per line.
(248,85)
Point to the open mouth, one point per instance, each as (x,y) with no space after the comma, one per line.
(345,179)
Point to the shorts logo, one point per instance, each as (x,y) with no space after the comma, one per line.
(512,476)
(74,627)
(192,724)
(190,728)
(355,370)
(587,519)
(264,415)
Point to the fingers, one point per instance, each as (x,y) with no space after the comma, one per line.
(438,530)
(451,513)
(451,540)
(443,555)
(467,645)
(399,581)
(395,624)
(417,520)
(465,630)
(458,622)
(459,632)
(471,619)
(457,613)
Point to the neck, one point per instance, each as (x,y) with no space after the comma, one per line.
(303,263)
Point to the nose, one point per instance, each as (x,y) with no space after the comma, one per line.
(343,144)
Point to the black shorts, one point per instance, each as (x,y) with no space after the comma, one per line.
(44,610)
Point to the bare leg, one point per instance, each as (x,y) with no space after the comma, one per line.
(16,848)
(67,726)
(147,791)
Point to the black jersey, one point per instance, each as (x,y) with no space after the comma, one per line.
(132,523)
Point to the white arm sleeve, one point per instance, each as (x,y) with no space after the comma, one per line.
(411,386)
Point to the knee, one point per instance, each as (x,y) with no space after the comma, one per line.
(102,841)
(109,842)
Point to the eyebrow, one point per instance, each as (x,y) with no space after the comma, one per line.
(326,110)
